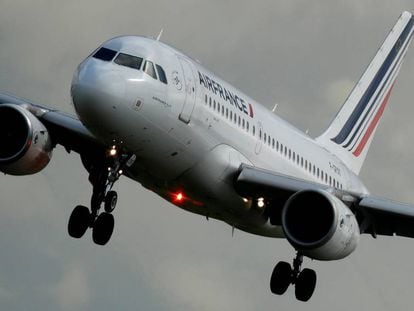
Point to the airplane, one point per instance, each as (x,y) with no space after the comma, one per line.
(149,112)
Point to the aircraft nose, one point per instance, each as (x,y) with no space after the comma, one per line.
(97,90)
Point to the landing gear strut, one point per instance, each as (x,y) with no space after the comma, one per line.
(284,275)
(102,178)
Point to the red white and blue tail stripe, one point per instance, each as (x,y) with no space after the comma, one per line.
(351,132)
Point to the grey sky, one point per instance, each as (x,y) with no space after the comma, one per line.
(304,55)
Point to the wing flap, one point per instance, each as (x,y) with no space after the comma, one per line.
(388,217)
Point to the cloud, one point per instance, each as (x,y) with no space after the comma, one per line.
(199,285)
(337,91)
(302,54)
(72,290)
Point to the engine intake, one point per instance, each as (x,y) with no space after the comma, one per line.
(319,225)
(25,142)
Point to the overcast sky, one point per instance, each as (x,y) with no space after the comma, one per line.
(304,55)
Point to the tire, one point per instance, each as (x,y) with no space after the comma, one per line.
(79,221)
(110,201)
(103,228)
(305,285)
(281,278)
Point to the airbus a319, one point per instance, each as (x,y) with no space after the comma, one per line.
(146,111)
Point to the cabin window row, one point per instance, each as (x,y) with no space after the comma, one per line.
(272,143)
(299,160)
(227,113)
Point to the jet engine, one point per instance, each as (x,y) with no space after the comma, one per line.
(26,146)
(320,225)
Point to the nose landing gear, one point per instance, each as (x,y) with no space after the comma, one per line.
(283,275)
(102,178)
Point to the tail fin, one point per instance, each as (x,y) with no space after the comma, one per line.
(350,133)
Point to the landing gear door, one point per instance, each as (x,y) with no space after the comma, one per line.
(189,89)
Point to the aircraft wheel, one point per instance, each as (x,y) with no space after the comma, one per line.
(79,221)
(281,278)
(103,228)
(305,285)
(110,201)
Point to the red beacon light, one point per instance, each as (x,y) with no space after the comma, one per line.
(178,197)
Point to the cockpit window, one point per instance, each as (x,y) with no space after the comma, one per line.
(128,61)
(105,54)
(161,74)
(149,69)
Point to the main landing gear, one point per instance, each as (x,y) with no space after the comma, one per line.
(283,275)
(103,178)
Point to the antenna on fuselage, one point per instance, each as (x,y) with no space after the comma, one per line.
(160,34)
(275,107)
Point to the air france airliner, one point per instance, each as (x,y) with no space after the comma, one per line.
(147,111)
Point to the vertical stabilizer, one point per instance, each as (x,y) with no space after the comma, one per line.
(352,130)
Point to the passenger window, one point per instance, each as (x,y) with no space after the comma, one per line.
(227,113)
(128,61)
(254,130)
(149,69)
(105,54)
(161,74)
(205,98)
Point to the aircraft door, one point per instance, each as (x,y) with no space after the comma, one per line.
(189,89)
(259,135)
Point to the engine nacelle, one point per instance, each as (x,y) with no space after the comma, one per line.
(319,225)
(26,146)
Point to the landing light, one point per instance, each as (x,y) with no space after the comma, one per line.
(113,151)
(260,202)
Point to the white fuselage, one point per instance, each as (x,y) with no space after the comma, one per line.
(191,135)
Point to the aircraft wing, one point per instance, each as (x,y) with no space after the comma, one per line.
(64,129)
(378,216)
